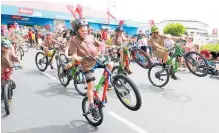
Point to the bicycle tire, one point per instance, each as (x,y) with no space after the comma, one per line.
(85,100)
(76,83)
(149,75)
(22,51)
(66,59)
(138,61)
(37,62)
(138,104)
(26,45)
(6,100)
(68,79)
(190,69)
(19,53)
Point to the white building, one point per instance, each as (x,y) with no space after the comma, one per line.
(193,28)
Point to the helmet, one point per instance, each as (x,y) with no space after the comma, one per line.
(118,29)
(154,29)
(78,23)
(5,42)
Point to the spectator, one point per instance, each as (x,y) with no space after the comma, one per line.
(105,34)
(139,36)
(143,43)
(99,37)
(36,34)
(30,37)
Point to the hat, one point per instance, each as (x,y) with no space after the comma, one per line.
(154,29)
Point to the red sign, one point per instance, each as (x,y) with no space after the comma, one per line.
(26,11)
(214,32)
(17,17)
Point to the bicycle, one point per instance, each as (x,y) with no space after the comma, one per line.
(103,82)
(172,65)
(138,55)
(48,59)
(76,74)
(7,87)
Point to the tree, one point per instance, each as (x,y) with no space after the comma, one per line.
(174,29)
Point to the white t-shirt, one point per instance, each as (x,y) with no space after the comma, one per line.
(143,42)
(168,43)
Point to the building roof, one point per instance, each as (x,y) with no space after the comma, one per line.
(183,21)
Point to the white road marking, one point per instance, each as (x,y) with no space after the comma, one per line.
(53,78)
(128,123)
(118,117)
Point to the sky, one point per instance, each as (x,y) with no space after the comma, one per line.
(206,11)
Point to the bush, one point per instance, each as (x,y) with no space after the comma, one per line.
(210,47)
(174,29)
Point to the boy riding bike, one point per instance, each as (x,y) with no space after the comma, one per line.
(157,42)
(7,56)
(118,40)
(82,45)
(48,44)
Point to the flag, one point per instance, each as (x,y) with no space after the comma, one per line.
(111,15)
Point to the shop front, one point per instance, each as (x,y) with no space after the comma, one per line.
(31,17)
(55,20)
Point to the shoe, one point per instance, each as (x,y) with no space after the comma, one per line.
(13,85)
(128,70)
(174,77)
(95,114)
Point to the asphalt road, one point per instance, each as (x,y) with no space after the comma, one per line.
(42,105)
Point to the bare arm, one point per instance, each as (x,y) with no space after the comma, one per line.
(170,37)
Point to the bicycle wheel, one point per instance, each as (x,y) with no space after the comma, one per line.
(141,58)
(79,78)
(6,100)
(63,78)
(19,53)
(22,51)
(87,114)
(42,60)
(197,64)
(25,46)
(120,83)
(160,72)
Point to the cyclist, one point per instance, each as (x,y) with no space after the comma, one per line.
(117,40)
(7,56)
(157,42)
(81,46)
(47,45)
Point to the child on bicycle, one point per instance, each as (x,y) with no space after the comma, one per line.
(7,56)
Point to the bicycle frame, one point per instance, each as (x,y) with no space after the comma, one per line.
(177,53)
(106,77)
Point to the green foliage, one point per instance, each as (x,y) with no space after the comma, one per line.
(210,47)
(175,29)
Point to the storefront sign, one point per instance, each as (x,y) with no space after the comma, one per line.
(16,17)
(63,17)
(37,14)
(26,11)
